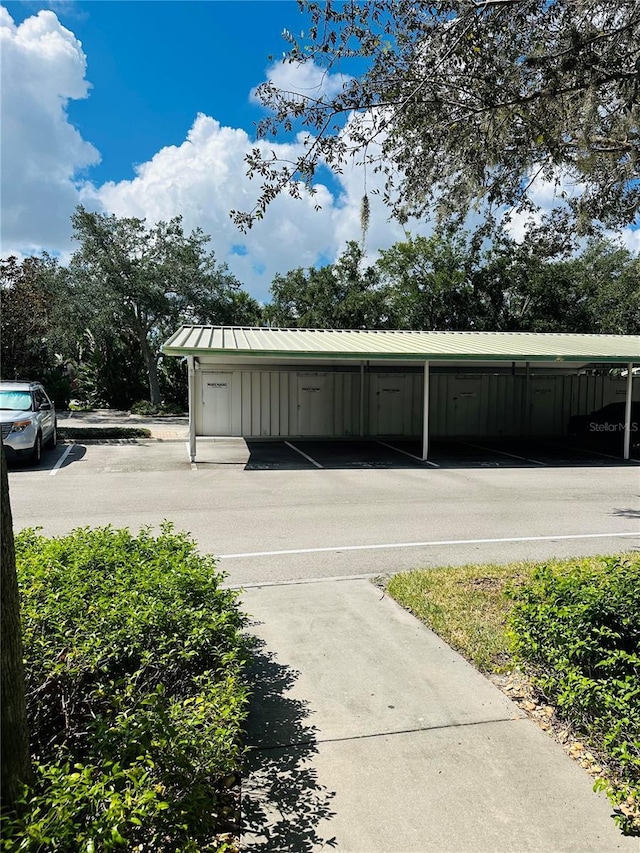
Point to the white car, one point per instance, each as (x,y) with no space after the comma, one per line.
(27,419)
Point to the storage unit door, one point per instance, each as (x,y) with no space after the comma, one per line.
(389,403)
(315,404)
(465,405)
(216,403)
(546,406)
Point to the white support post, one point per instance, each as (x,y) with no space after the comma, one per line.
(627,413)
(425,410)
(527,400)
(191,374)
(361,398)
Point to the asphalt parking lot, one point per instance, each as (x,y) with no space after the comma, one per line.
(303,454)
(275,511)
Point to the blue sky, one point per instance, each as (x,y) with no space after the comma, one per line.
(154,66)
(145,109)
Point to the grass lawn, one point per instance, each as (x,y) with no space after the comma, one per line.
(466,606)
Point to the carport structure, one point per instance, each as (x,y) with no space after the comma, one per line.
(334,383)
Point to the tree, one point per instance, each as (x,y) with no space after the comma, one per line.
(342,295)
(34,323)
(140,283)
(16,766)
(537,287)
(29,290)
(465,103)
(611,275)
(427,284)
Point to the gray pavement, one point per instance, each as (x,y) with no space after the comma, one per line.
(370,735)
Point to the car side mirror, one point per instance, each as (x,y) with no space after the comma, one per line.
(45,407)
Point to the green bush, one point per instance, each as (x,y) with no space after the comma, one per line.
(134,664)
(576,629)
(144,407)
(58,387)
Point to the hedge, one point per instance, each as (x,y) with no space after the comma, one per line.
(576,630)
(136,698)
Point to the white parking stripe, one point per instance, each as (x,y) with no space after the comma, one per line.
(504,453)
(593,452)
(61,461)
(428,544)
(406,453)
(302,453)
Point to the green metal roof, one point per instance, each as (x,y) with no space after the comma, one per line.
(366,344)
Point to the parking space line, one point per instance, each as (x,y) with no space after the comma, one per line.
(302,453)
(61,461)
(592,452)
(429,544)
(504,453)
(406,453)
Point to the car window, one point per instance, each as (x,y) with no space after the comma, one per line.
(17,401)
(40,397)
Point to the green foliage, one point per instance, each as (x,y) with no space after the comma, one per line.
(58,387)
(107,371)
(135,695)
(427,283)
(577,630)
(134,285)
(464,105)
(539,286)
(449,281)
(343,295)
(144,407)
(33,304)
(88,433)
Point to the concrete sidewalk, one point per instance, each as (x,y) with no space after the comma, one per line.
(370,735)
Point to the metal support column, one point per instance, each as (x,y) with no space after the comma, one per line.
(361,398)
(191,373)
(627,413)
(425,410)
(526,431)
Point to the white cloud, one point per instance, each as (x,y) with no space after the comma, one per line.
(43,67)
(305,79)
(205,177)
(630,238)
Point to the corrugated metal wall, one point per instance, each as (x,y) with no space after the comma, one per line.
(278,402)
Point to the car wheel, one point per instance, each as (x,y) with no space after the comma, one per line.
(36,453)
(53,438)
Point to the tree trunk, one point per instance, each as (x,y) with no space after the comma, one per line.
(16,764)
(151,363)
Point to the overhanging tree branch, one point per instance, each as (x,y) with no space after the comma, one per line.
(470,85)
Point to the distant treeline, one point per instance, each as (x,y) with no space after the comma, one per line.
(92,330)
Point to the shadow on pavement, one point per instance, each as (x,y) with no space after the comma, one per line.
(282,802)
(401,453)
(50,458)
(627,513)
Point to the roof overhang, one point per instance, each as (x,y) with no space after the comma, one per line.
(250,344)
